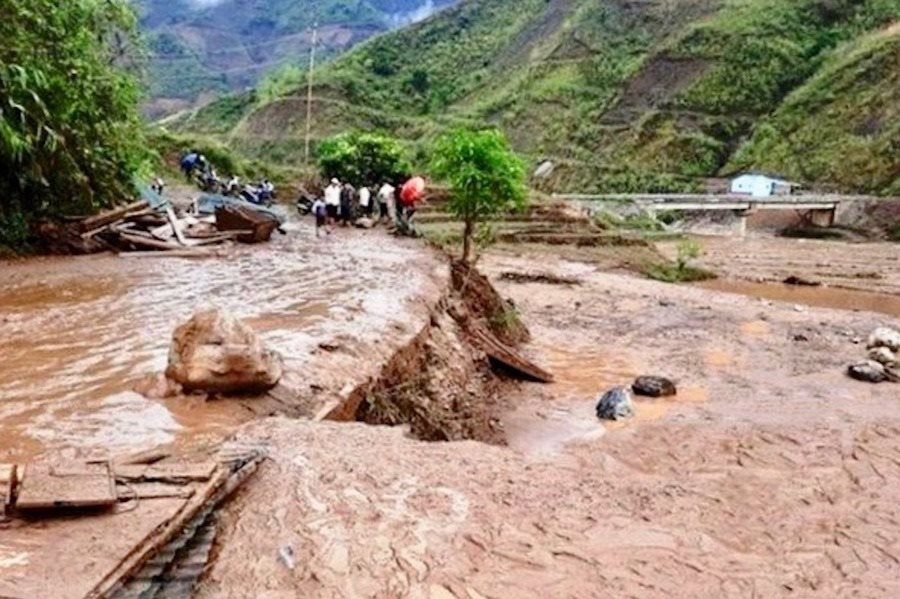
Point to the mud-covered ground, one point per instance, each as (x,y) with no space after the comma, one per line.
(771,474)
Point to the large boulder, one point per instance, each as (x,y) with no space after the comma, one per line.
(217,353)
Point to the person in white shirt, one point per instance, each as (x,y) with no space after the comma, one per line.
(387,207)
(333,200)
(365,201)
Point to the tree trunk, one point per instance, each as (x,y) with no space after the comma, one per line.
(469,241)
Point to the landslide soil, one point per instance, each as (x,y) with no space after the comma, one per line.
(770,474)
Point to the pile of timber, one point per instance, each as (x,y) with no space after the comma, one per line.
(140,228)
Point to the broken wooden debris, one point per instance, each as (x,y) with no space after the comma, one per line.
(508,357)
(171,473)
(45,486)
(7,486)
(138,227)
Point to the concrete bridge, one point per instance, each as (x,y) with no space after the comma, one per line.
(820,210)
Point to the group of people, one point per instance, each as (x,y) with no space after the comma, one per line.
(344,204)
(197,168)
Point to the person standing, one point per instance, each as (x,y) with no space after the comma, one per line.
(320,212)
(385,202)
(365,201)
(347,197)
(332,201)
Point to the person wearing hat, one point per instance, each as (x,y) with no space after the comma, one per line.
(332,200)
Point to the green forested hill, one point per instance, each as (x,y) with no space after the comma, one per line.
(212,46)
(625,95)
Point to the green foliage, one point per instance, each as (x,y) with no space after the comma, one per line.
(70,136)
(681,271)
(280,82)
(842,124)
(169,148)
(654,96)
(485,177)
(363,158)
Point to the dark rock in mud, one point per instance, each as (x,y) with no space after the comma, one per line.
(615,404)
(868,371)
(653,386)
(794,280)
(217,353)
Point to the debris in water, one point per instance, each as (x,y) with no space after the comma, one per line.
(653,386)
(615,404)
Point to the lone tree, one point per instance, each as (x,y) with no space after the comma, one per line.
(485,177)
(363,158)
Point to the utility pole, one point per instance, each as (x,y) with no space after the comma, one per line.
(309,87)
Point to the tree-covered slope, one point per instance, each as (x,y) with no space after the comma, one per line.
(843,124)
(618,94)
(213,46)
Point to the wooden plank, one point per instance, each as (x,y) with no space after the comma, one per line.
(505,355)
(165,472)
(176,226)
(7,485)
(111,216)
(148,243)
(221,485)
(47,486)
(155,490)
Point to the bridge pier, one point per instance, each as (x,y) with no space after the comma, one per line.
(822,217)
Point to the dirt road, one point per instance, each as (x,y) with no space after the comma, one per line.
(771,474)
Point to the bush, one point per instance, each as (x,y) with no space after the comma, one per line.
(363,158)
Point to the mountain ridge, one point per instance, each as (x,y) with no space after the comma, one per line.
(619,95)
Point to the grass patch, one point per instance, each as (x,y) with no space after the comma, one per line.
(671,273)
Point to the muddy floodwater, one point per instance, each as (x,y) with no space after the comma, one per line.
(79,334)
(822,297)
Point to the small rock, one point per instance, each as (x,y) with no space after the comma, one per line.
(800,337)
(868,371)
(883,356)
(799,308)
(884,337)
(666,303)
(615,404)
(653,386)
(364,223)
(856,340)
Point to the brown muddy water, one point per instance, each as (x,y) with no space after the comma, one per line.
(79,333)
(822,297)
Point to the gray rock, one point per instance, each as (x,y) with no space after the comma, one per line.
(653,386)
(615,404)
(884,337)
(868,371)
(217,353)
(364,223)
(883,356)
